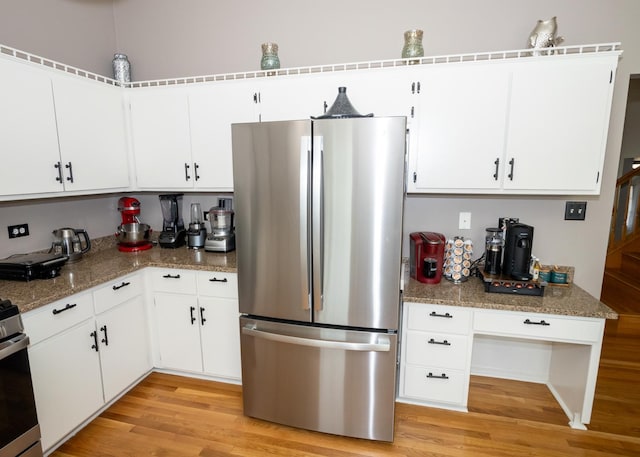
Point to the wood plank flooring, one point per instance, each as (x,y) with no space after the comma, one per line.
(171,416)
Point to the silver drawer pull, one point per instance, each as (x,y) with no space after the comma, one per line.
(530,322)
(443,343)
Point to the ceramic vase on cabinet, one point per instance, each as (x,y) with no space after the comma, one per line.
(270,59)
(121,68)
(412,44)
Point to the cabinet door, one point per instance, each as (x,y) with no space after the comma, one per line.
(295,97)
(66,381)
(124,346)
(220,336)
(559,118)
(462,118)
(178,332)
(212,110)
(160,134)
(91,129)
(28,135)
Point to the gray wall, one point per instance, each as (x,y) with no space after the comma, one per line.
(165,38)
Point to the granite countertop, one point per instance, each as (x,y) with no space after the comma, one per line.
(563,300)
(102,264)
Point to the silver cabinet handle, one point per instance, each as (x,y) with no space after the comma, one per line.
(383,344)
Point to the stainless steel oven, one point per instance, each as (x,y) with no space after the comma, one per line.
(19,430)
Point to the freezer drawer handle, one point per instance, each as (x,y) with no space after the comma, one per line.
(382,346)
(442,376)
(542,322)
(444,342)
(446,315)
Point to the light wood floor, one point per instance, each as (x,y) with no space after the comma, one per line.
(175,416)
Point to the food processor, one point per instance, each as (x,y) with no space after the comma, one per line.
(222,237)
(197,232)
(173,233)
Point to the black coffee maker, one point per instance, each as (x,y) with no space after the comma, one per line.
(517,251)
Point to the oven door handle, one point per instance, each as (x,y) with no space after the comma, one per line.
(13,345)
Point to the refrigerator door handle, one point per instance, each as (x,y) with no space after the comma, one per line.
(305,155)
(383,343)
(317,226)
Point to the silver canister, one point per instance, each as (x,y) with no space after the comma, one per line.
(121,68)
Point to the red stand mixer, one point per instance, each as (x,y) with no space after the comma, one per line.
(132,235)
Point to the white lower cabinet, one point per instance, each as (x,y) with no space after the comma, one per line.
(178,331)
(442,346)
(124,348)
(198,331)
(85,350)
(435,355)
(66,381)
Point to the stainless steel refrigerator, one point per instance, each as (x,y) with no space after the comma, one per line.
(319,208)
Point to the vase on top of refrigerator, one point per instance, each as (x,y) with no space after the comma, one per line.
(319,205)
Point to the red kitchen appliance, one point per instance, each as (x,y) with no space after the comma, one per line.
(426,256)
(132,235)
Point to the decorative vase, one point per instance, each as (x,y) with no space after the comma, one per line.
(412,44)
(543,35)
(121,68)
(270,59)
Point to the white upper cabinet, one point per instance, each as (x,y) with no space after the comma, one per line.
(461,121)
(92,136)
(558,124)
(212,110)
(161,138)
(28,135)
(534,125)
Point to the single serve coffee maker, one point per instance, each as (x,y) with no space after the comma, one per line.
(173,232)
(426,256)
(517,251)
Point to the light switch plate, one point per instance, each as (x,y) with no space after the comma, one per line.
(575,211)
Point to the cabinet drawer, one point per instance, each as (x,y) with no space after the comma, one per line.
(438,318)
(435,384)
(435,349)
(55,317)
(539,326)
(217,284)
(173,281)
(116,292)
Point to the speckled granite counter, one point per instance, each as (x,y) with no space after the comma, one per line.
(104,263)
(567,301)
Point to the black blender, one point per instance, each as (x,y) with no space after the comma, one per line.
(173,232)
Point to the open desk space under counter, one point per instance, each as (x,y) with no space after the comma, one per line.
(451,331)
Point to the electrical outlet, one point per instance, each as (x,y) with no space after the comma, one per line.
(575,211)
(16,231)
(464,222)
